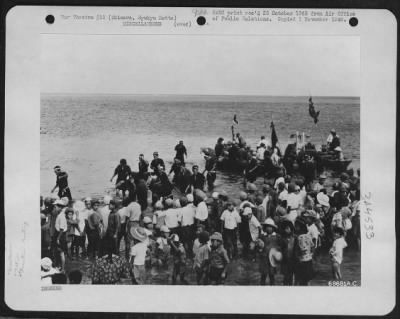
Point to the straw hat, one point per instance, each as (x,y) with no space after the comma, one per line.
(275,257)
(164,229)
(65,200)
(323,199)
(138,233)
(169,202)
(46,263)
(270,222)
(242,196)
(59,202)
(216,236)
(215,195)
(223,194)
(247,211)
(199,194)
(158,205)
(251,187)
(147,220)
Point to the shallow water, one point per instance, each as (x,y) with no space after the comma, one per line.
(87,135)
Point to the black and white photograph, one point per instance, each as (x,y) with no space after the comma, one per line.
(166,160)
(210,157)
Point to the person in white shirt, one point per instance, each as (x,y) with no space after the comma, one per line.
(254,228)
(105,211)
(201,212)
(134,212)
(230,220)
(61,235)
(82,215)
(264,141)
(310,217)
(138,255)
(47,271)
(260,152)
(187,214)
(293,202)
(282,191)
(172,216)
(336,252)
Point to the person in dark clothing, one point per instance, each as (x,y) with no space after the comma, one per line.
(122,171)
(176,169)
(143,167)
(61,183)
(156,162)
(197,180)
(308,170)
(219,147)
(141,193)
(113,228)
(251,170)
(210,168)
(181,152)
(166,186)
(333,140)
(131,187)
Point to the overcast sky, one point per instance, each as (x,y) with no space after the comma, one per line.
(217,65)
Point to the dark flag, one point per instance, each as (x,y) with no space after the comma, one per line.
(311,110)
(235,121)
(274,137)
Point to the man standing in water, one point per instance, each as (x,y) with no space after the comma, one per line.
(122,171)
(181,152)
(61,183)
(156,162)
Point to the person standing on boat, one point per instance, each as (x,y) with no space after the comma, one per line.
(219,147)
(61,183)
(181,152)
(241,141)
(333,140)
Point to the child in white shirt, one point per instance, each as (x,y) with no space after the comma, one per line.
(336,252)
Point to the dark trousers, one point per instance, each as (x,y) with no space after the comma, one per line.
(230,242)
(66,192)
(93,242)
(122,234)
(110,244)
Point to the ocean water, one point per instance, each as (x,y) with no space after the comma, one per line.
(88,134)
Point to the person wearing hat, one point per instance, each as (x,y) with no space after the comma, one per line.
(268,239)
(47,271)
(156,162)
(138,254)
(219,260)
(181,152)
(186,220)
(230,220)
(161,253)
(254,230)
(304,251)
(288,260)
(178,254)
(122,171)
(114,227)
(61,183)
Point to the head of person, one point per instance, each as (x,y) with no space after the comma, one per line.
(59,279)
(155,155)
(59,205)
(262,145)
(287,228)
(88,202)
(57,169)
(333,132)
(337,232)
(200,228)
(69,213)
(112,205)
(322,179)
(141,157)
(204,237)
(169,202)
(229,206)
(300,226)
(96,204)
(267,188)
(75,277)
(237,134)
(147,222)
(190,198)
(281,186)
(180,142)
(46,264)
(216,240)
(122,162)
(242,196)
(183,201)
(164,231)
(269,226)
(220,140)
(247,213)
(161,168)
(262,137)
(195,169)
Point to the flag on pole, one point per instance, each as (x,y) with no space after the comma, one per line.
(274,137)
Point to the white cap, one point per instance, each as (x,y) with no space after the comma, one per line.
(247,211)
(215,195)
(189,198)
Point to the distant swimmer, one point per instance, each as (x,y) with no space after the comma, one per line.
(61,183)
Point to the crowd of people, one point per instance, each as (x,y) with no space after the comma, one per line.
(282,224)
